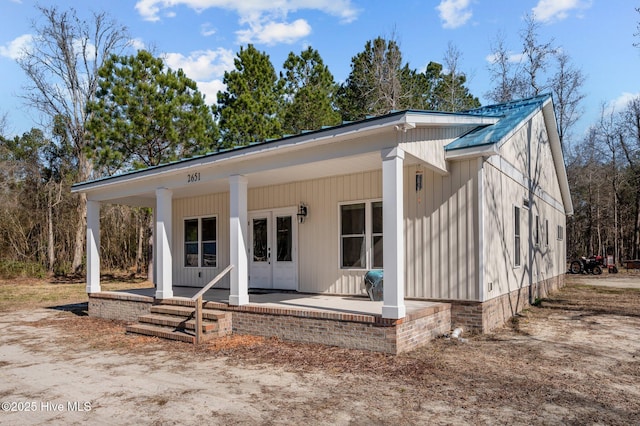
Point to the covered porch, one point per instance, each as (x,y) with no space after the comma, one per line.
(346,174)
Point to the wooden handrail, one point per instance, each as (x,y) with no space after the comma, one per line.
(198,298)
(212,282)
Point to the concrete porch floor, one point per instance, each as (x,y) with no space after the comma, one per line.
(338,304)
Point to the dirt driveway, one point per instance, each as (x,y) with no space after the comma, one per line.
(575,359)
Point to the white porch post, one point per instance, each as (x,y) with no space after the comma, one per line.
(93,247)
(393,231)
(163,214)
(239,294)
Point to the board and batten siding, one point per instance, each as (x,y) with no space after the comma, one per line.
(318,237)
(442,233)
(439,224)
(206,205)
(440,228)
(504,188)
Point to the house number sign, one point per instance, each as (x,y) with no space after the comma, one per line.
(193,177)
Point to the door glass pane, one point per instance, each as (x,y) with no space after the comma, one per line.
(260,240)
(353,252)
(283,238)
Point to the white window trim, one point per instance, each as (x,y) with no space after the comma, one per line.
(517,251)
(199,218)
(546,233)
(368,233)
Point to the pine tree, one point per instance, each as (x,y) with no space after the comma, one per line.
(249,110)
(309,88)
(145,114)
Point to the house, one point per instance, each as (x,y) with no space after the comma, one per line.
(464,209)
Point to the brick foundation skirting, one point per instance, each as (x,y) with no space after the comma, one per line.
(119,306)
(485,316)
(353,331)
(401,336)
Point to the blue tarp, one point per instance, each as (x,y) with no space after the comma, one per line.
(373,282)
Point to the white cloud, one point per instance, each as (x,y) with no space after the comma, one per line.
(137,43)
(202,64)
(454,13)
(620,103)
(15,48)
(205,67)
(207,29)
(271,33)
(514,58)
(151,9)
(210,90)
(557,10)
(266,19)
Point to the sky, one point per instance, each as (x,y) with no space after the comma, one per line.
(203,36)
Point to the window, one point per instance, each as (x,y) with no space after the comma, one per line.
(536,237)
(376,234)
(361,233)
(353,235)
(546,232)
(200,242)
(516,233)
(560,233)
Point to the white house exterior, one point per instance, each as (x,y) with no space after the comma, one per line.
(467,208)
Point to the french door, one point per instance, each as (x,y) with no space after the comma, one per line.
(273,257)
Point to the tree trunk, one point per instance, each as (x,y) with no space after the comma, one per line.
(78,252)
(139,255)
(150,275)
(635,249)
(51,253)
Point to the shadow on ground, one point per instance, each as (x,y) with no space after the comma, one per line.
(79,309)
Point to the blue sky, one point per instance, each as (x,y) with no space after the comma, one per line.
(203,36)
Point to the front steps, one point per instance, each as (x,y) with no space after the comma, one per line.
(177,322)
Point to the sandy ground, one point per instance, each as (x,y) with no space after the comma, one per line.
(575,359)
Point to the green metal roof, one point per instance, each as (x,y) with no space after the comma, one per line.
(511,115)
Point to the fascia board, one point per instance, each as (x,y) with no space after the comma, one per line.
(558,157)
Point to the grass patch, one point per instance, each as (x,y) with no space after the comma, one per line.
(13,269)
(25,293)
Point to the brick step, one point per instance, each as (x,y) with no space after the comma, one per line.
(177,322)
(185,311)
(180,323)
(162,332)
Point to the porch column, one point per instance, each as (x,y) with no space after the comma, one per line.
(93,247)
(393,232)
(163,213)
(239,294)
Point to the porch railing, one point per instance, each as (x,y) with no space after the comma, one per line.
(198,299)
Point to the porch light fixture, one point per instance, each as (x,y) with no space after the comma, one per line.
(302,212)
(418,180)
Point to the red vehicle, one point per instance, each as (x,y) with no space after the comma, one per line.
(592,265)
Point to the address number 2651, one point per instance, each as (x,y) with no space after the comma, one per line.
(193,177)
